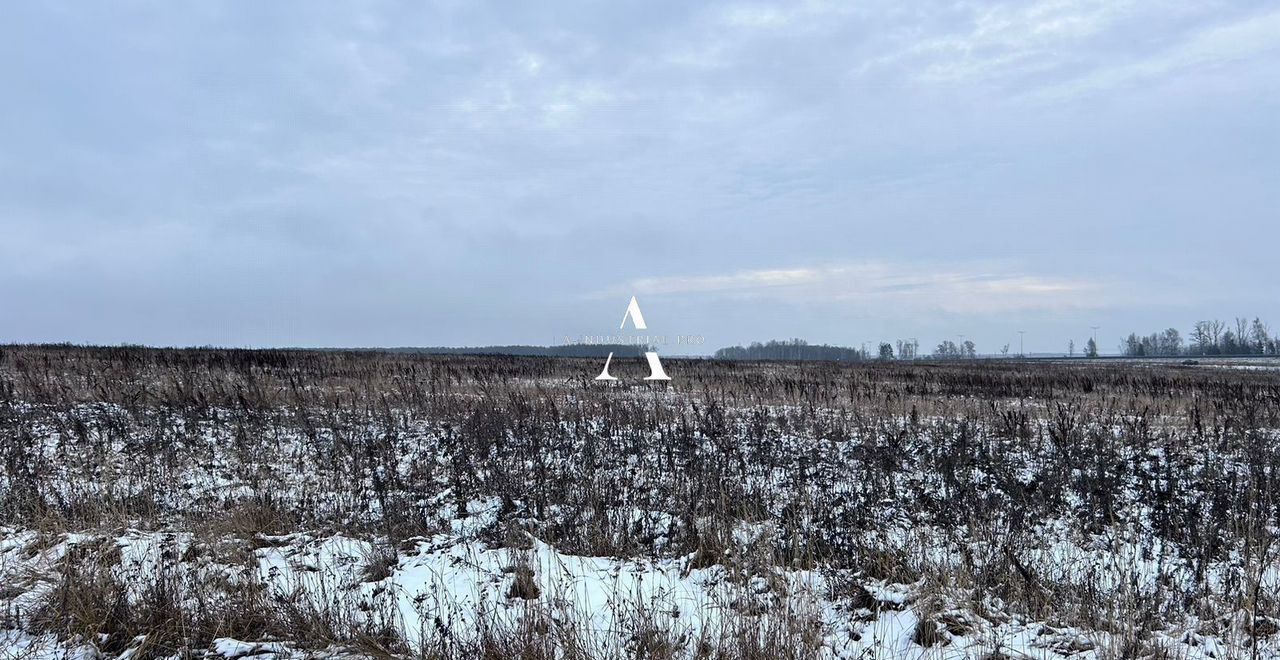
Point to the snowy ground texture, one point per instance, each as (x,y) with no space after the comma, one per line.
(271,505)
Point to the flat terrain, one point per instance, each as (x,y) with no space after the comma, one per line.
(288,504)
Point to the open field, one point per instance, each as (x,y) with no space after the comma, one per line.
(284,504)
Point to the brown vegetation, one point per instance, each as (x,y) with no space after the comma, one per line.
(957,478)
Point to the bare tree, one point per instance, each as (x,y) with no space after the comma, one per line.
(1170,342)
(1216,329)
(1259,334)
(947,349)
(1202,337)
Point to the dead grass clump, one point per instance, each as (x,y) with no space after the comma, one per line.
(379,563)
(89,600)
(888,565)
(524,583)
(929,631)
(252,519)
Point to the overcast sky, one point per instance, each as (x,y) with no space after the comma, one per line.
(366,173)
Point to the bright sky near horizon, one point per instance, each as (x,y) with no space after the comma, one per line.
(390,174)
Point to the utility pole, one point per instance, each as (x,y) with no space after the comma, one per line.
(1021,352)
(1095,334)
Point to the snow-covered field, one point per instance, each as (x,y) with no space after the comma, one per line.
(241,505)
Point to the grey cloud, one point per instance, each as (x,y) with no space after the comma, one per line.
(410,173)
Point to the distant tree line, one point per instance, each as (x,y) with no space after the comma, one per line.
(567,350)
(799,349)
(1213,337)
(790,349)
(949,350)
(1240,337)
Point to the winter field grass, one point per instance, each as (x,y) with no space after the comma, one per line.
(274,504)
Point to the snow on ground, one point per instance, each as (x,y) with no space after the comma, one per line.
(449,586)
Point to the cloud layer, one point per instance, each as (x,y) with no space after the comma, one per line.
(916,288)
(458,173)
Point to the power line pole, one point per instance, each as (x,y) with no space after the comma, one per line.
(1021,352)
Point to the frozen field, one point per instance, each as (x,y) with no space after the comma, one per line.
(295,504)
